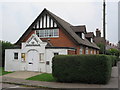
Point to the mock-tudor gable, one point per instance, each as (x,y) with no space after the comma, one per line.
(45,21)
(48,20)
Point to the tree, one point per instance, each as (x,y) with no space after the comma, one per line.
(101,46)
(113,51)
(4,45)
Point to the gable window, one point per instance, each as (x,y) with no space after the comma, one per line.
(56,54)
(15,55)
(47,33)
(41,57)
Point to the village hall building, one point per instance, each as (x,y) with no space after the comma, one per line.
(47,36)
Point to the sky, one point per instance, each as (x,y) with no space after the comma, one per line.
(17,16)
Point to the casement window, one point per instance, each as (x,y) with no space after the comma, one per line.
(47,33)
(90,51)
(15,55)
(56,54)
(94,51)
(81,50)
(23,56)
(86,50)
(41,57)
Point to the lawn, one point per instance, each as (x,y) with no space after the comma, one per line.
(42,77)
(2,72)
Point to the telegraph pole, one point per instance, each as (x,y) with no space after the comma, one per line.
(104,24)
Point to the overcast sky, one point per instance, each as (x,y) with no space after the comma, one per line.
(17,16)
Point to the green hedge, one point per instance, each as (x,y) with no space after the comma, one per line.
(114,60)
(82,68)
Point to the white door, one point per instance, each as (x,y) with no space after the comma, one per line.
(33,61)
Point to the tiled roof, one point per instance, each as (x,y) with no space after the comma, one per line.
(89,35)
(81,28)
(65,26)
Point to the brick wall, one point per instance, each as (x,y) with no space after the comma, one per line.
(62,41)
(71,52)
(26,38)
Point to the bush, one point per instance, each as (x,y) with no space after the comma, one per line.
(114,60)
(82,68)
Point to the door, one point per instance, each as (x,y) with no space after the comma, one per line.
(33,61)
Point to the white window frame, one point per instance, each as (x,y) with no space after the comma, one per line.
(15,56)
(83,36)
(41,57)
(91,39)
(47,32)
(86,50)
(94,51)
(81,50)
(90,51)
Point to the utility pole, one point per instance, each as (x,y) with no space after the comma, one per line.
(104,24)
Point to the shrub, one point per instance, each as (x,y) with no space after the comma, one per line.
(114,60)
(82,68)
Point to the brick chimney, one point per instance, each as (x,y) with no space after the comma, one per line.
(98,33)
(107,42)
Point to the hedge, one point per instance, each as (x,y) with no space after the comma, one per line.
(114,60)
(82,68)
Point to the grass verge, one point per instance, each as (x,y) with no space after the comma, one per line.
(42,77)
(2,72)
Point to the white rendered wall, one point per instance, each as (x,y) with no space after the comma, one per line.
(50,55)
(12,64)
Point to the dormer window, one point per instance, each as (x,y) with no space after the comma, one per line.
(91,39)
(47,33)
(83,36)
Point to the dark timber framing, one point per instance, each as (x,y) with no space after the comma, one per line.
(46,20)
(63,25)
(42,21)
(50,22)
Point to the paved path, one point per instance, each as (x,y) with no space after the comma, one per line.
(21,74)
(6,86)
(113,83)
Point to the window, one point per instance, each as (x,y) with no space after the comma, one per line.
(91,39)
(91,51)
(86,50)
(94,51)
(15,55)
(83,36)
(41,56)
(56,54)
(81,50)
(48,33)
(23,56)
(37,33)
